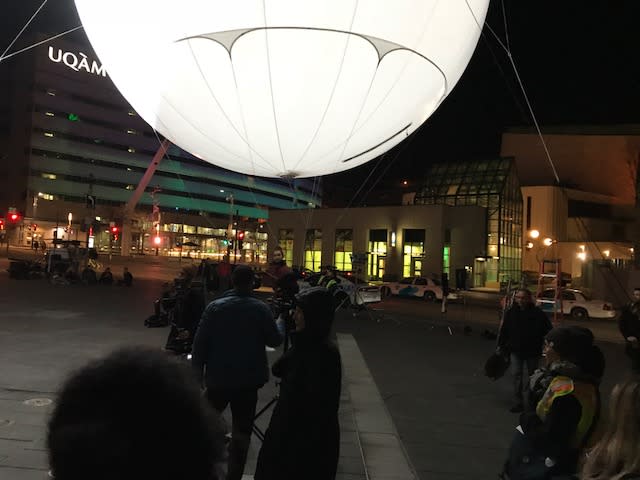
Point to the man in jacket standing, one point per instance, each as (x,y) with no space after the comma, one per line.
(522,336)
(229,355)
(629,324)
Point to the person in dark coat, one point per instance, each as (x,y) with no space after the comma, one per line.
(629,324)
(522,335)
(229,358)
(303,438)
(186,312)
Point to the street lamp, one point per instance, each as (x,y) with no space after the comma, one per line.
(547,242)
(534,234)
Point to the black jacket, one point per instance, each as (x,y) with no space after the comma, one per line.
(629,321)
(230,342)
(303,438)
(523,331)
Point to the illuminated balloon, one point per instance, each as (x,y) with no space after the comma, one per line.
(284,87)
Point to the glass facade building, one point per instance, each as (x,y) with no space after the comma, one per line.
(76,146)
(492,184)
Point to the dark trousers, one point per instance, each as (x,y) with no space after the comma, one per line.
(518,364)
(243,409)
(633,353)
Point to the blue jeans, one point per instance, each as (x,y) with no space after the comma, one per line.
(518,364)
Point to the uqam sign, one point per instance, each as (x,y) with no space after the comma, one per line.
(76,61)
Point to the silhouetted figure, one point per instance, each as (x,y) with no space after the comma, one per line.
(106,278)
(135,414)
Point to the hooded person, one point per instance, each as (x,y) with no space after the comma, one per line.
(567,405)
(303,437)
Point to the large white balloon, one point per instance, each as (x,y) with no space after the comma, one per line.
(284,87)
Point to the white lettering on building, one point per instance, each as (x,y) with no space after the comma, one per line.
(77,62)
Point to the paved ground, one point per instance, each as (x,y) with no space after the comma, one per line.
(451,420)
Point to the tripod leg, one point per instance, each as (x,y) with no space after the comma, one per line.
(256,430)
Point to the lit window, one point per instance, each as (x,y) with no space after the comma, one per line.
(131,150)
(46,196)
(128,169)
(130,187)
(50,114)
(49,176)
(48,134)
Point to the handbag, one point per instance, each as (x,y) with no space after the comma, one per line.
(496,366)
(524,463)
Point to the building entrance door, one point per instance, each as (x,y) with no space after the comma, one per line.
(379,267)
(485,272)
(416,266)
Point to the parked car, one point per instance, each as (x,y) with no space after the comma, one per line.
(427,288)
(577,303)
(348,291)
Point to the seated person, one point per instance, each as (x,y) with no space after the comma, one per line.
(89,276)
(127,278)
(107,277)
(135,414)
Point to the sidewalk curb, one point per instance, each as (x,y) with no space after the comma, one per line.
(383,454)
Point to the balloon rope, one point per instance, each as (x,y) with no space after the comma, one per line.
(344,210)
(506,25)
(522,89)
(23,29)
(6,57)
(273,101)
(333,90)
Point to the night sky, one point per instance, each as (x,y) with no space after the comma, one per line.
(579,62)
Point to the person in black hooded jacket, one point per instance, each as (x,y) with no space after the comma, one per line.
(303,437)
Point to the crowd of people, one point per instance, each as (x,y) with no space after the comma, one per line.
(140,413)
(561,432)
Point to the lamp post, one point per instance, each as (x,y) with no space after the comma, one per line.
(229,199)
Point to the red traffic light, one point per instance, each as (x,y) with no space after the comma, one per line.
(13,217)
(240,235)
(114,230)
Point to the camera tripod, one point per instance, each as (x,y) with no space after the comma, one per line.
(287,318)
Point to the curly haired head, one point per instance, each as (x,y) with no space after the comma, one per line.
(135,414)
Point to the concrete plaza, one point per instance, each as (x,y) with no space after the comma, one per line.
(415,402)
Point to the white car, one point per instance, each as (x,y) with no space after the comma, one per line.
(347,291)
(577,304)
(426,288)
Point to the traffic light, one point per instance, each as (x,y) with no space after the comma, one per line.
(114,233)
(14,217)
(240,240)
(157,240)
